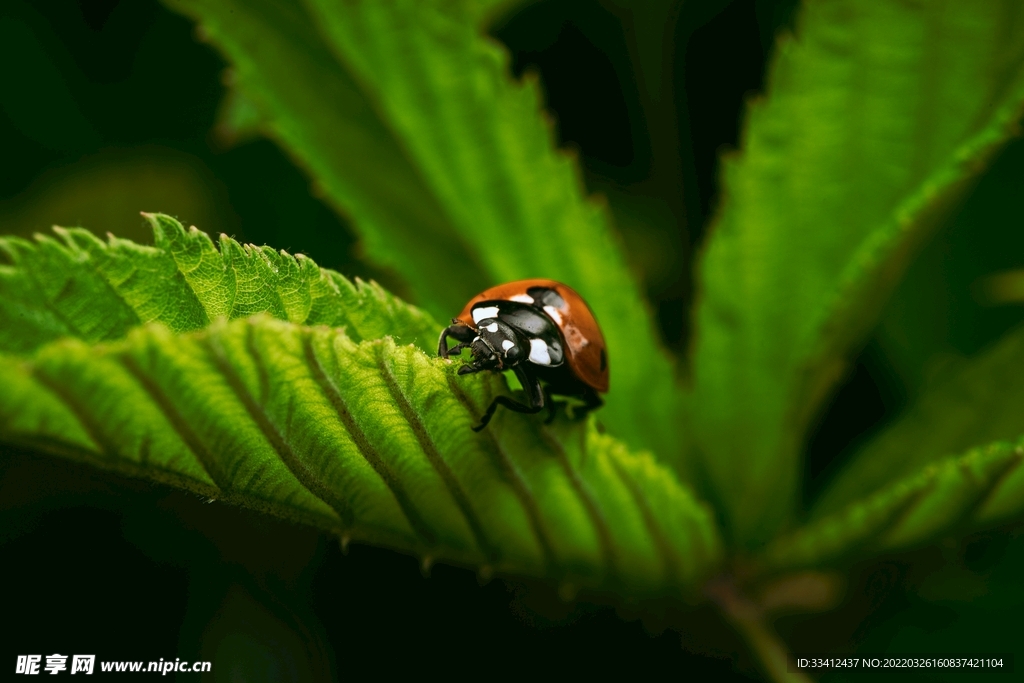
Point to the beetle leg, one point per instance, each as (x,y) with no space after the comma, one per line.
(531,385)
(551,413)
(592,401)
(442,343)
(457,349)
(508,403)
(534,395)
(461,331)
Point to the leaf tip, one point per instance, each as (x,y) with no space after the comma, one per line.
(229,246)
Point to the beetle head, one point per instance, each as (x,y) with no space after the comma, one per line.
(497,346)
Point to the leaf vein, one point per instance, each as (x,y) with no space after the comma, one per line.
(277,442)
(210,464)
(489,550)
(88,421)
(519,486)
(597,518)
(365,448)
(661,542)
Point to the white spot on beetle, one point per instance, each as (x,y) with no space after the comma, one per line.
(484,312)
(476,339)
(539,352)
(506,345)
(554,314)
(522,298)
(493,327)
(574,337)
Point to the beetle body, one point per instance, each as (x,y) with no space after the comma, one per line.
(544,332)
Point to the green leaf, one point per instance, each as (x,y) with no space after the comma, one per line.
(316,110)
(974,401)
(122,356)
(92,290)
(238,120)
(368,440)
(941,308)
(955,495)
(877,118)
(405,115)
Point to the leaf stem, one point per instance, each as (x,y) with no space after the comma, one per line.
(750,623)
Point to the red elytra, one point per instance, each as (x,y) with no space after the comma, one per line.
(586,351)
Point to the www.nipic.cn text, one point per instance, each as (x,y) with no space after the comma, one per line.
(33,665)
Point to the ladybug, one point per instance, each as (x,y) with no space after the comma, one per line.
(544,332)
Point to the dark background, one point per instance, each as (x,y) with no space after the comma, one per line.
(111,107)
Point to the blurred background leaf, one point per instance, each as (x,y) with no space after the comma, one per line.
(946,498)
(933,324)
(151,94)
(860,149)
(968,403)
